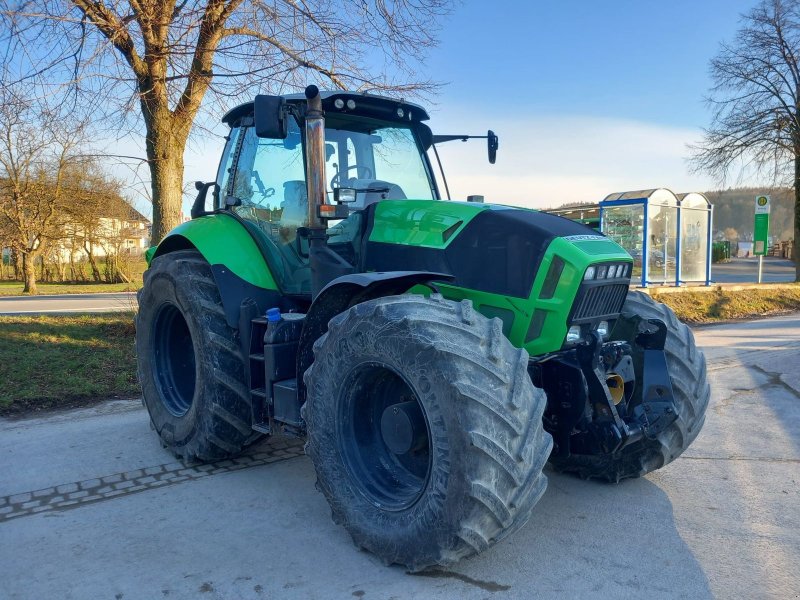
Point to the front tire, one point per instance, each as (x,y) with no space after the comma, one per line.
(470,469)
(686,365)
(190,365)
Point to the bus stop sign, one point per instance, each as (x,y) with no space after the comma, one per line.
(761,227)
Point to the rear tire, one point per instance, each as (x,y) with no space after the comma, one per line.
(190,365)
(483,435)
(687,369)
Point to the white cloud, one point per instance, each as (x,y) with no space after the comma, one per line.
(547,161)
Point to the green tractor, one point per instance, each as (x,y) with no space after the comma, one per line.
(434,354)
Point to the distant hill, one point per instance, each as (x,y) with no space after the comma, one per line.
(733,210)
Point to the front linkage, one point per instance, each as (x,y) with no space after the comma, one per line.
(604,396)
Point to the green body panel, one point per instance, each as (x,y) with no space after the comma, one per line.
(221,239)
(421,222)
(517,319)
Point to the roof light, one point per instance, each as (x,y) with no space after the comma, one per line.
(339,103)
(401,113)
(351,104)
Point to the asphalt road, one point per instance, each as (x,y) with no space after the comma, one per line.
(67,303)
(92,507)
(745,270)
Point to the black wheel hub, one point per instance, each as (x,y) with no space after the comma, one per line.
(174,363)
(384,437)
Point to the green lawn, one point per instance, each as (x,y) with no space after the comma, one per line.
(62,361)
(729,305)
(14,288)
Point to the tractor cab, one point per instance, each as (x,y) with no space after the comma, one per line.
(374,148)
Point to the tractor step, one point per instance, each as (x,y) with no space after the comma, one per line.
(258,386)
(272,359)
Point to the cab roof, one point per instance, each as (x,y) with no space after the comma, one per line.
(369,105)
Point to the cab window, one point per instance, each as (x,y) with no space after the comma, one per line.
(269,191)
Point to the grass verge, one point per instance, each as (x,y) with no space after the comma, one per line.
(729,305)
(14,288)
(64,361)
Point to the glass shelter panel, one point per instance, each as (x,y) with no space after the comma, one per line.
(625,225)
(694,243)
(662,231)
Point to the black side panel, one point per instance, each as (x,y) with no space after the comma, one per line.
(233,289)
(499,251)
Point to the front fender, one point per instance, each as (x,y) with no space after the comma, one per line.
(344,292)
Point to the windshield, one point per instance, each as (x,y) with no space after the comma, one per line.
(382,163)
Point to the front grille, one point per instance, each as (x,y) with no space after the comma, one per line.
(597,301)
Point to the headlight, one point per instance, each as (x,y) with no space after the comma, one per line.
(602,329)
(602,270)
(589,274)
(574,334)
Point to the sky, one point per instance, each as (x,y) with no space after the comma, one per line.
(588,97)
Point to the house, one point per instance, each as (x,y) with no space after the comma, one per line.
(119,229)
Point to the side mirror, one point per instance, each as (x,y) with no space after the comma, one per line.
(492,141)
(270,117)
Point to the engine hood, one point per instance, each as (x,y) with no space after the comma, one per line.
(492,248)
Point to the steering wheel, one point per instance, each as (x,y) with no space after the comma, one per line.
(359,168)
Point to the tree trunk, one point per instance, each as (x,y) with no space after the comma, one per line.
(796,243)
(29,272)
(16,258)
(165,153)
(90,253)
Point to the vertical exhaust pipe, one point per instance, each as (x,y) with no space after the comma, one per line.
(325,264)
(315,155)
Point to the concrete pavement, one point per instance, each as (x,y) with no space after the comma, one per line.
(92,507)
(68,303)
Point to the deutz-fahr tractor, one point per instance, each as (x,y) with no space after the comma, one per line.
(435,354)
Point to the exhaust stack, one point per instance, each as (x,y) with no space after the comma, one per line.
(325,264)
(315,156)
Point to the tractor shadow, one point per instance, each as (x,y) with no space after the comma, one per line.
(588,539)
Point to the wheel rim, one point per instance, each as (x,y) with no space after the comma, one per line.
(384,437)
(175,374)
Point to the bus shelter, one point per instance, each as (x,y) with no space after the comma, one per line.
(668,236)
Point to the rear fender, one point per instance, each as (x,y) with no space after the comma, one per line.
(344,292)
(238,265)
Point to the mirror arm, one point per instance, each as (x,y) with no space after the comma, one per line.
(199,205)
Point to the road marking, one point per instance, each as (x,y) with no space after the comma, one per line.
(80,493)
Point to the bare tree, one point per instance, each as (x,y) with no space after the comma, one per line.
(756,102)
(166,56)
(39,158)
